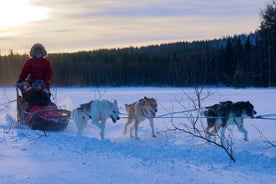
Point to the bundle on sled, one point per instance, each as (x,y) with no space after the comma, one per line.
(35,109)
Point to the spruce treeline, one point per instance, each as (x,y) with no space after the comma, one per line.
(234,61)
(238,61)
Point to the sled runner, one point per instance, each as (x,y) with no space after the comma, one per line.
(42,117)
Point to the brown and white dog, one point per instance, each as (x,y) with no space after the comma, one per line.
(98,111)
(227,113)
(138,111)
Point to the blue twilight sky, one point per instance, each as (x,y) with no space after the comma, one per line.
(73,25)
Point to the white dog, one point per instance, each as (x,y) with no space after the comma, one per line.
(98,111)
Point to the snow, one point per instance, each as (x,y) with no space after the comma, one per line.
(28,156)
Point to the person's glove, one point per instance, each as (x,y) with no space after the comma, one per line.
(19,83)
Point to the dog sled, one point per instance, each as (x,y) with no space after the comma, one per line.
(45,118)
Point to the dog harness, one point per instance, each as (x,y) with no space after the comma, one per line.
(85,113)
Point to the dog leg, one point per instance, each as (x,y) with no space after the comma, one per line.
(136,129)
(81,123)
(222,135)
(210,138)
(239,123)
(131,130)
(125,129)
(209,134)
(218,124)
(214,131)
(244,131)
(152,128)
(100,126)
(211,128)
(129,121)
(207,130)
(102,129)
(224,124)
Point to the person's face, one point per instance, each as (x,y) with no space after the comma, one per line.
(38,87)
(38,52)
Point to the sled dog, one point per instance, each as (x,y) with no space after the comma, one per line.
(138,111)
(227,113)
(98,111)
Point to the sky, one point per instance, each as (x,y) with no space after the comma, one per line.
(74,25)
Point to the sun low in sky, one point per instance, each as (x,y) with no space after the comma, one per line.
(74,25)
(19,12)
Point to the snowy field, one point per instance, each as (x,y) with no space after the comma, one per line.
(29,157)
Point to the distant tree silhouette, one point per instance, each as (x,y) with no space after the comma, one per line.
(268,34)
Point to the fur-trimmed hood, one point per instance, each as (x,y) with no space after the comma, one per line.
(38,45)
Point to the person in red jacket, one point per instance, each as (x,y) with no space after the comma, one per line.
(37,67)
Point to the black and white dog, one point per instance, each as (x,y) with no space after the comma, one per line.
(227,113)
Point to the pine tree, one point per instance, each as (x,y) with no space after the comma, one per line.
(268,34)
(269,18)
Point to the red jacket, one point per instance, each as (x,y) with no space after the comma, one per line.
(38,68)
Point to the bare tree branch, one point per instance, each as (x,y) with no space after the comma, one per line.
(264,138)
(195,125)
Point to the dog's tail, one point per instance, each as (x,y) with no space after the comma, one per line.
(127,107)
(74,112)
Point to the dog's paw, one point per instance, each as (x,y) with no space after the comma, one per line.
(102,136)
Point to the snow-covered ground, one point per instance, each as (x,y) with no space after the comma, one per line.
(27,156)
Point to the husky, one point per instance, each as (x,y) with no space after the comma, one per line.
(227,113)
(98,111)
(138,111)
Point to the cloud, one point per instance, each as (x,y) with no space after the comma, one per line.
(76,25)
(22,13)
(154,8)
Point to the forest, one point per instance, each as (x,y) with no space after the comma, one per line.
(237,61)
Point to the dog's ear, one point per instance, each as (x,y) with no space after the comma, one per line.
(145,98)
(142,101)
(250,105)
